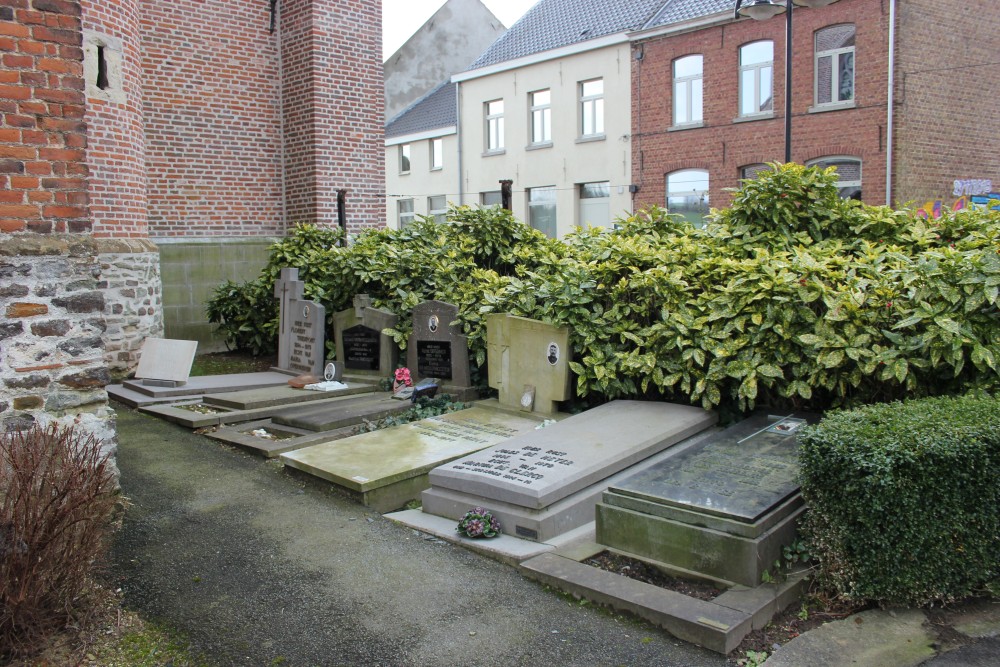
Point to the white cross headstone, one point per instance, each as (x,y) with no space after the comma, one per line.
(287,288)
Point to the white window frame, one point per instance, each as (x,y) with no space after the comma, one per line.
(532,206)
(404,217)
(687,83)
(756,68)
(702,194)
(595,104)
(439,213)
(483,197)
(834,55)
(588,205)
(405,159)
(541,119)
(842,185)
(436,149)
(494,126)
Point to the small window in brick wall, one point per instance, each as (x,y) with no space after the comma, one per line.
(102,67)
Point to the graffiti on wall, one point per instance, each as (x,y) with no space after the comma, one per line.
(971,192)
(972,186)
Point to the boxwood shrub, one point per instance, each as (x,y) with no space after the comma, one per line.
(904,498)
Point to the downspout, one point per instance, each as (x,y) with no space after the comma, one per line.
(890,101)
(458,131)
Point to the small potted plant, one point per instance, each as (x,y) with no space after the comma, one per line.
(479,522)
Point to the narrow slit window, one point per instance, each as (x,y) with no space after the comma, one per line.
(102,69)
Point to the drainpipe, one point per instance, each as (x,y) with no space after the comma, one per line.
(458,131)
(889,103)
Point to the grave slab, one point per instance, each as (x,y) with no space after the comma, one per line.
(273,397)
(136,399)
(212,384)
(389,467)
(288,438)
(166,359)
(723,509)
(542,467)
(350,411)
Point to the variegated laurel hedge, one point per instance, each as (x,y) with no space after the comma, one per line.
(791,297)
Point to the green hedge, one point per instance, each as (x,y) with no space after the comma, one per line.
(791,297)
(905,499)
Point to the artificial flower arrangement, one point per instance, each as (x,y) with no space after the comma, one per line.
(479,522)
(401,379)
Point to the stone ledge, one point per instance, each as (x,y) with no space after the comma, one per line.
(34,245)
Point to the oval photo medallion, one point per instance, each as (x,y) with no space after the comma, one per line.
(552,353)
(305,312)
(432,323)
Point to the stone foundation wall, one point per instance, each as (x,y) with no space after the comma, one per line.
(133,310)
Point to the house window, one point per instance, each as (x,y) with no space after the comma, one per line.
(491,198)
(592,108)
(437,208)
(687,195)
(541,117)
(595,204)
(835,64)
(542,210)
(848,174)
(437,153)
(494,126)
(752,171)
(687,90)
(404,207)
(756,73)
(404,158)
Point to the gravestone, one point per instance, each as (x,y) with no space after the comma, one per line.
(438,349)
(165,362)
(386,468)
(302,327)
(723,509)
(528,362)
(546,482)
(361,345)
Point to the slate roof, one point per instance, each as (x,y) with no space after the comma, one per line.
(433,111)
(551,24)
(675,11)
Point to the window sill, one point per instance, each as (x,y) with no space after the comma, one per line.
(404,173)
(535,147)
(437,168)
(592,137)
(753,117)
(685,126)
(499,151)
(834,106)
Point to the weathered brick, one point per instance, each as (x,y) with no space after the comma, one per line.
(94,377)
(88,302)
(51,328)
(28,402)
(33,381)
(22,309)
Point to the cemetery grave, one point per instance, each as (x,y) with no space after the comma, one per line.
(438,349)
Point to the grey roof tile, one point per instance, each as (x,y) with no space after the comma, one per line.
(675,11)
(551,24)
(433,111)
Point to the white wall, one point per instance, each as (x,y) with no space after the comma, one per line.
(568,162)
(421,182)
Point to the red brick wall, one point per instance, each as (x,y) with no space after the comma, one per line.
(947,126)
(333,104)
(42,134)
(211,79)
(722,146)
(116,153)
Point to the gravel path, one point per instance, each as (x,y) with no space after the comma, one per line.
(258,567)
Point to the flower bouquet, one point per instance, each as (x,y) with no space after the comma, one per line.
(401,380)
(478,522)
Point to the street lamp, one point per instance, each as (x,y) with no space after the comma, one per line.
(762,10)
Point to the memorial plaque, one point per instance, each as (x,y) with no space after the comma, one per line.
(525,353)
(740,475)
(434,359)
(307,342)
(362,348)
(166,359)
(539,468)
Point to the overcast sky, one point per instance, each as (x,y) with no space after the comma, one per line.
(402,18)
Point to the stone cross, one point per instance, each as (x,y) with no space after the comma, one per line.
(361,301)
(287,288)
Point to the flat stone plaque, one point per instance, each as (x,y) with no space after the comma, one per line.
(434,359)
(740,474)
(307,337)
(166,359)
(361,348)
(369,461)
(539,468)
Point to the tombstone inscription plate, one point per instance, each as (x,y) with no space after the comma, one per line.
(434,359)
(362,348)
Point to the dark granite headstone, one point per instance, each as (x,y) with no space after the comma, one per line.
(362,348)
(438,348)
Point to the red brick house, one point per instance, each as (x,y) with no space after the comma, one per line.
(708,99)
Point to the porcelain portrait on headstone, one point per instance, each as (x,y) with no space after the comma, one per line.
(305,312)
(432,323)
(553,355)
